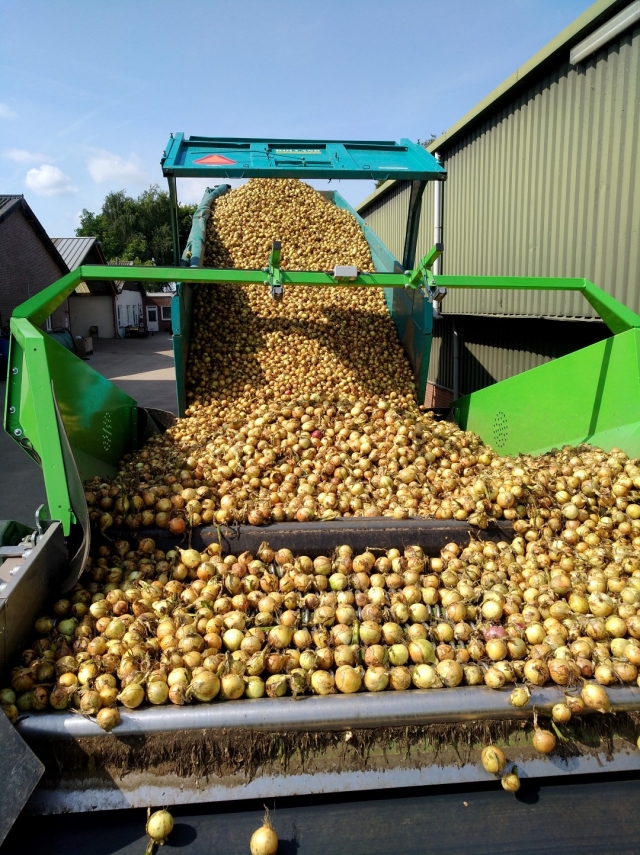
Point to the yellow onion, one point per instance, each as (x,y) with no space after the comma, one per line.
(348,679)
(90,702)
(543,741)
(520,696)
(231,686)
(561,713)
(264,841)
(254,687)
(422,651)
(157,692)
(494,678)
(132,696)
(424,676)
(595,697)
(510,782)
(159,827)
(276,685)
(450,672)
(108,718)
(536,672)
(11,711)
(322,682)
(376,678)
(493,759)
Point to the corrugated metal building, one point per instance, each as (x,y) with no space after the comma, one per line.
(543,180)
(92,305)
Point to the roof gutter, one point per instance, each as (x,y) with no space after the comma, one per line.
(606,33)
(598,15)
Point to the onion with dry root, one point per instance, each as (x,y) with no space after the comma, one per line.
(543,740)
(264,841)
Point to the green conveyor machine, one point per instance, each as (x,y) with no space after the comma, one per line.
(76,424)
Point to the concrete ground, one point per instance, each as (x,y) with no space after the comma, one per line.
(143,368)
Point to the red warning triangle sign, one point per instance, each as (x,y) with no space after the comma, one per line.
(214,159)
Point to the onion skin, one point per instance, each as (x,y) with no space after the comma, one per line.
(510,782)
(493,759)
(108,718)
(159,827)
(348,679)
(561,713)
(264,841)
(520,697)
(595,698)
(544,741)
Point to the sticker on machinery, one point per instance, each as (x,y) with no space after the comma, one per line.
(214,159)
(298,151)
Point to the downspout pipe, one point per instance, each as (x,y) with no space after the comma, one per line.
(438,192)
(456,361)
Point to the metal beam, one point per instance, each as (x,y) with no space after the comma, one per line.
(331,712)
(175,226)
(616,315)
(413,224)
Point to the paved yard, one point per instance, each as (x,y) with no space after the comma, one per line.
(143,368)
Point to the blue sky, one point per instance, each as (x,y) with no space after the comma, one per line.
(91,89)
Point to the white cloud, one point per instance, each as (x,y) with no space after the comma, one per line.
(21,155)
(191,190)
(106,166)
(47,180)
(6,112)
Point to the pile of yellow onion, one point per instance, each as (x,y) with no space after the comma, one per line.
(144,626)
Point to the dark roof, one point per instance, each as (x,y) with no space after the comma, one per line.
(6,203)
(84,250)
(10,205)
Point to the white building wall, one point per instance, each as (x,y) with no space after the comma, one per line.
(128,310)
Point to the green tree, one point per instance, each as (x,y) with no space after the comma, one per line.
(136,230)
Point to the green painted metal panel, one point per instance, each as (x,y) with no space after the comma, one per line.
(99,419)
(245,157)
(182,324)
(591,396)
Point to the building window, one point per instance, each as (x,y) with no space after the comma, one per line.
(165,313)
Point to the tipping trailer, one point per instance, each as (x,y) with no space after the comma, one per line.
(76,424)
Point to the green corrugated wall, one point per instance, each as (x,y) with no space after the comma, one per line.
(548,185)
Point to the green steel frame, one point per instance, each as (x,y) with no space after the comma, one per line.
(100,421)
